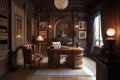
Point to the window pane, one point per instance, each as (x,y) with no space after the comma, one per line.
(97,31)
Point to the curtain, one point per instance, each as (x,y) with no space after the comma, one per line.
(93,36)
(103,27)
(90,33)
(97,39)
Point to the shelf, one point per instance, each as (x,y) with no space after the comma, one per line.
(3,37)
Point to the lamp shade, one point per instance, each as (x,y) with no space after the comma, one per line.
(61,4)
(39,38)
(110,31)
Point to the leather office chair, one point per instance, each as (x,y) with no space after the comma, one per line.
(30,56)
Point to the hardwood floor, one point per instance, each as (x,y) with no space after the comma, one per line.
(21,74)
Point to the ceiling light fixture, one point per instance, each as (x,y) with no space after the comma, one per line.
(61,4)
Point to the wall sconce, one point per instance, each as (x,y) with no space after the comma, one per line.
(110,40)
(76,26)
(61,4)
(18,36)
(50,26)
(39,39)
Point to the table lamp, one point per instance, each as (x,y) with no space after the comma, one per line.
(110,32)
(39,39)
(110,40)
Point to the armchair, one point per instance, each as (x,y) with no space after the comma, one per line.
(30,55)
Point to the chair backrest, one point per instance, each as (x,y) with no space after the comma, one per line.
(27,53)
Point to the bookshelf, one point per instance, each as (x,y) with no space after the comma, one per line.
(3,36)
(3,45)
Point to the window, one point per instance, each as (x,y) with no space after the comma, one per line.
(98,41)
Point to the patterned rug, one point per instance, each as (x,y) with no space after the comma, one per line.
(85,71)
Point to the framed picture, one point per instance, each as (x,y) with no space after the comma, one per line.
(82,34)
(19,24)
(82,25)
(43,25)
(43,34)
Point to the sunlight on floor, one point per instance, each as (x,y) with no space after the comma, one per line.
(88,70)
(89,67)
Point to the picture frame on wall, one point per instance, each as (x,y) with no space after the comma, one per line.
(43,25)
(43,34)
(82,34)
(19,27)
(82,25)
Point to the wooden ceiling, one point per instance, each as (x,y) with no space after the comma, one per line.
(73,5)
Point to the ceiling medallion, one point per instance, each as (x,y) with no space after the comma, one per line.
(61,4)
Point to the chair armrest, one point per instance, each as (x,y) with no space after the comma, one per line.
(38,56)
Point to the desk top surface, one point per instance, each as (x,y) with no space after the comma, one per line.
(67,48)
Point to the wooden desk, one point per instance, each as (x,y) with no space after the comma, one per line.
(74,58)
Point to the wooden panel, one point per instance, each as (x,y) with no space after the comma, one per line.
(53,59)
(78,63)
(3,7)
(73,60)
(102,71)
(3,65)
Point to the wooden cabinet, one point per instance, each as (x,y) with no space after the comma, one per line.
(102,71)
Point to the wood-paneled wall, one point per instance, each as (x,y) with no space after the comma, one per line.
(110,15)
(25,11)
(111,18)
